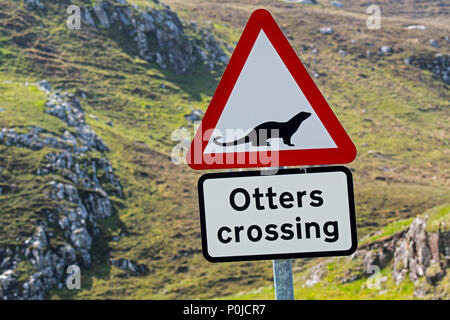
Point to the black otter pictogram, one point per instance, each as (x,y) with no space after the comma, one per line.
(261,133)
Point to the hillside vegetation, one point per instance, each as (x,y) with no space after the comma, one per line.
(394,103)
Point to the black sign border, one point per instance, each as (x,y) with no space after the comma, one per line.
(351,201)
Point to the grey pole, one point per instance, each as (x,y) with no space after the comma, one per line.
(283,280)
(282,277)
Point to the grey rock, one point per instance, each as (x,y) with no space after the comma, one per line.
(33,4)
(337,4)
(195,115)
(174,49)
(385,50)
(101,14)
(317,273)
(81,205)
(379,256)
(326,30)
(81,238)
(7,280)
(416,26)
(35,139)
(123,19)
(68,109)
(182,269)
(413,254)
(172,27)
(44,85)
(141,42)
(438,64)
(87,17)
(160,60)
(130,267)
(434,43)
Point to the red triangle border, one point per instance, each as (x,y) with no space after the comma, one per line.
(262,19)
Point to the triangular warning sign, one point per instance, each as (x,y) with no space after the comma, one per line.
(267,111)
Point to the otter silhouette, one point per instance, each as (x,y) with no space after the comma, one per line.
(258,138)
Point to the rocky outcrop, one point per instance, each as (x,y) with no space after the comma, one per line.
(421,254)
(414,253)
(67,108)
(316,274)
(35,138)
(34,4)
(158,33)
(438,64)
(83,200)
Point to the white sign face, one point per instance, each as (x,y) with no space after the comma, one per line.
(293,214)
(266,91)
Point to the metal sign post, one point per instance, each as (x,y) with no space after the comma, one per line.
(293,213)
(283,279)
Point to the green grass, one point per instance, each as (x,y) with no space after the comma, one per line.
(24,106)
(439,219)
(388,230)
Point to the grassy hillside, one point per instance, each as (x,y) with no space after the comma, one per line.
(333,273)
(396,114)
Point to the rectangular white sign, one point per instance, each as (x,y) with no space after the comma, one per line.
(295,213)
